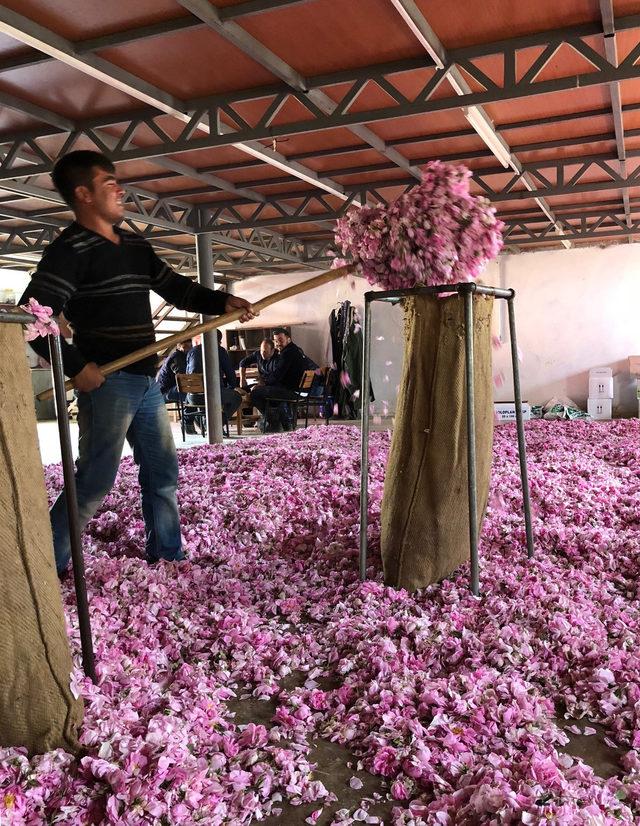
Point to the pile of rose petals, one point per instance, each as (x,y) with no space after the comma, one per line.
(455,701)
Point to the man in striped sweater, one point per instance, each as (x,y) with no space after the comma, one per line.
(101,276)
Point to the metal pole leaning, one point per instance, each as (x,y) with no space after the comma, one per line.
(60,397)
(471,439)
(522,445)
(364,438)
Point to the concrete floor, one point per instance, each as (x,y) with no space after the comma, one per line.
(50,443)
(337,766)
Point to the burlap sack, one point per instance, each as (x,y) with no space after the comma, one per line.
(37,708)
(425,507)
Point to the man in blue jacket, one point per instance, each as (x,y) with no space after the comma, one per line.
(229,397)
(174,363)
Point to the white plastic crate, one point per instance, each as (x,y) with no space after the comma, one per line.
(600,387)
(599,408)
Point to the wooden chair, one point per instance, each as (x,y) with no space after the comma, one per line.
(302,396)
(190,383)
(245,414)
(193,383)
(173,407)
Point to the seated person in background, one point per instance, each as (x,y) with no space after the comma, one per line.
(281,382)
(228,380)
(174,363)
(264,359)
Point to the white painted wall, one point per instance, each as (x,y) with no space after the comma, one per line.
(575,309)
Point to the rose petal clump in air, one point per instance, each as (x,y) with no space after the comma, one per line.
(437,233)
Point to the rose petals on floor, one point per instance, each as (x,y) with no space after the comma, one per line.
(452,700)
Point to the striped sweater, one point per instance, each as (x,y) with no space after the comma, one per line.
(103,289)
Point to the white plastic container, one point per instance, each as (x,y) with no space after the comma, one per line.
(599,408)
(600,387)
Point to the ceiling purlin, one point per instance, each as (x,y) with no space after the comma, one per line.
(611,52)
(476,115)
(215,107)
(603,73)
(252,47)
(160,29)
(31,33)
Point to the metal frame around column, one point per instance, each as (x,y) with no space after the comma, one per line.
(68,470)
(467,291)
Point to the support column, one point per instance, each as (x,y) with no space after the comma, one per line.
(211,368)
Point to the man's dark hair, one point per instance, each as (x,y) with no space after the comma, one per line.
(219,332)
(278,330)
(76,169)
(267,341)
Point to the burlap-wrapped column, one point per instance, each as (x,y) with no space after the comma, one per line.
(37,708)
(425,522)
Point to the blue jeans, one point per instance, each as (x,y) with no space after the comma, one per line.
(125,406)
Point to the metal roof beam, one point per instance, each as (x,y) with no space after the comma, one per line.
(611,53)
(524,147)
(27,31)
(260,129)
(574,210)
(288,249)
(160,29)
(371,72)
(476,115)
(252,47)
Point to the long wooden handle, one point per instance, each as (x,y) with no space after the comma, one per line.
(219,321)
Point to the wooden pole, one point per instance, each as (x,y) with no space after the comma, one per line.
(220,321)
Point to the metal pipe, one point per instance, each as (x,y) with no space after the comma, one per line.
(479,289)
(75,537)
(471,441)
(9,317)
(364,436)
(522,445)
(211,361)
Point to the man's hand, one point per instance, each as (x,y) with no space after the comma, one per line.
(89,378)
(234,302)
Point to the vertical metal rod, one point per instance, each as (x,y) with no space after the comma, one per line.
(522,445)
(471,442)
(364,438)
(212,396)
(75,536)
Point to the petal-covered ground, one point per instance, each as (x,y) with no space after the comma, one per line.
(455,701)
